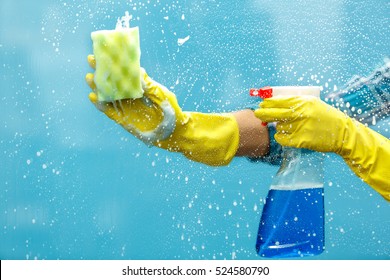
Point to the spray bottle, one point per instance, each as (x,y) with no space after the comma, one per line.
(292,221)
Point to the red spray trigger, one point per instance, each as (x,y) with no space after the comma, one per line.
(265,92)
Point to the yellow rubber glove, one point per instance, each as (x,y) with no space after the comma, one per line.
(158,120)
(307,122)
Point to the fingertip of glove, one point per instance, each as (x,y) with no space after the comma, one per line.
(147,81)
(148,84)
(93,97)
(264,114)
(91,61)
(89,77)
(261,104)
(258,113)
(268,102)
(281,139)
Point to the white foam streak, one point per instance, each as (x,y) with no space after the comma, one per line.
(124,22)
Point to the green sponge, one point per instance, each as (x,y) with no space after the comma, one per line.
(117,54)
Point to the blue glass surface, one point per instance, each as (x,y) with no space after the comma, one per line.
(73,185)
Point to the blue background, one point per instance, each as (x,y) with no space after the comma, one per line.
(73,185)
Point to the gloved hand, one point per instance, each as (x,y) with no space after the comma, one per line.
(158,120)
(307,122)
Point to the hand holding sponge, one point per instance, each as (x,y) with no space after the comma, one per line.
(125,93)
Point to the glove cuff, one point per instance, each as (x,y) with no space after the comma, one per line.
(211,139)
(367,153)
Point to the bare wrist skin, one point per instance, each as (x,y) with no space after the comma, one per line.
(254,138)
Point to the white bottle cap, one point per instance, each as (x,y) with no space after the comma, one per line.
(296,90)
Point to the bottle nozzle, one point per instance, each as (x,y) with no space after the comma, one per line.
(265,92)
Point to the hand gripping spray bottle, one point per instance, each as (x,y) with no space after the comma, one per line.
(292,221)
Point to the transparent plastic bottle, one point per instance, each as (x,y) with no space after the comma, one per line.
(292,221)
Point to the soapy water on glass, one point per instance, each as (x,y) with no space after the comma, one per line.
(123,22)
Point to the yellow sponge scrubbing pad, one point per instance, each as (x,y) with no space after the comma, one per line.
(117,54)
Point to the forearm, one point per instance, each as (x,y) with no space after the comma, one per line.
(254,137)
(369,157)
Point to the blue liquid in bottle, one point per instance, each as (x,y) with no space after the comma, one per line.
(292,223)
